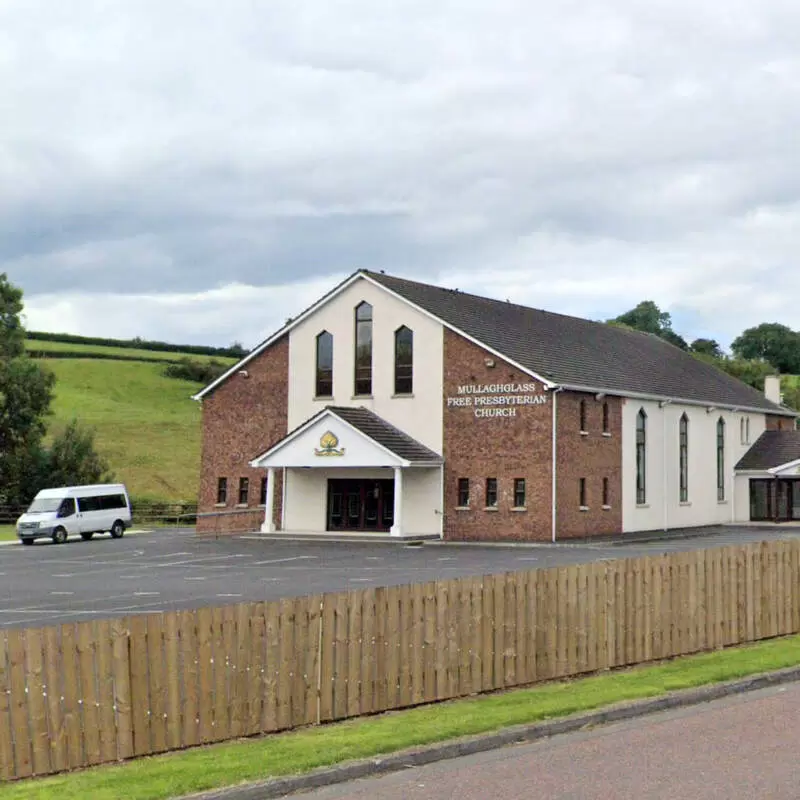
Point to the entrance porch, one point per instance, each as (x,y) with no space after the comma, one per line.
(347,471)
(775,499)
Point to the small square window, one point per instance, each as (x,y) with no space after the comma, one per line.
(582,492)
(244,491)
(463,492)
(491,493)
(519,492)
(222,491)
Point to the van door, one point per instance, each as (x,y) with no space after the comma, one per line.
(87,514)
(68,516)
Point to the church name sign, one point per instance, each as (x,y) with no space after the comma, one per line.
(496,400)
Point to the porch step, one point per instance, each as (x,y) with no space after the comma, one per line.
(373,538)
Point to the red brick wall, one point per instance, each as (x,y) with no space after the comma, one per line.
(778,423)
(242,418)
(593,457)
(504,448)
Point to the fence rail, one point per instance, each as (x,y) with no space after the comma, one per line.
(93,692)
(144,513)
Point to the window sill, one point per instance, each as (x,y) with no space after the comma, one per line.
(220,505)
(462,508)
(519,508)
(491,508)
(322,398)
(606,508)
(685,503)
(403,396)
(363,397)
(584,433)
(643,505)
(241,505)
(583,508)
(607,434)
(722,502)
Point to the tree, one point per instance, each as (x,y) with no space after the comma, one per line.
(772,342)
(708,347)
(649,318)
(26,391)
(72,459)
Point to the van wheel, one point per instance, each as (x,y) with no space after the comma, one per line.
(86,535)
(117,529)
(27,541)
(59,536)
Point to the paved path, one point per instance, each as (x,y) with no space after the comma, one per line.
(171,569)
(741,748)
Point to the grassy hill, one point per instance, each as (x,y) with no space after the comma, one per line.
(147,425)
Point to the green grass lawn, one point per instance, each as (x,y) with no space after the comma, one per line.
(304,750)
(147,425)
(77,347)
(8,533)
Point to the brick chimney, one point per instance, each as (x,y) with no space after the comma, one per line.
(772,388)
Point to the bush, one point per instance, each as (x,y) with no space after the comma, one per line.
(188,369)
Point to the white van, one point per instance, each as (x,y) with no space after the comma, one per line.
(58,513)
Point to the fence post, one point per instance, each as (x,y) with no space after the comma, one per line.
(319,659)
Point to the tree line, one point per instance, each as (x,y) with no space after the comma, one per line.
(27,463)
(766,349)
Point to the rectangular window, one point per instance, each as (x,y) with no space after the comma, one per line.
(324,373)
(582,415)
(606,498)
(641,457)
(263,498)
(222,491)
(491,493)
(519,492)
(403,360)
(463,492)
(721,460)
(244,491)
(363,350)
(606,420)
(683,446)
(582,492)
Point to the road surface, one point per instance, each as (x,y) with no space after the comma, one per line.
(742,747)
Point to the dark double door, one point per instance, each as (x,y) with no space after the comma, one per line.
(360,505)
(775,500)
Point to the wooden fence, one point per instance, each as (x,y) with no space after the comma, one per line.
(92,692)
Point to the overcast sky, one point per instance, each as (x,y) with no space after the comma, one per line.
(198,171)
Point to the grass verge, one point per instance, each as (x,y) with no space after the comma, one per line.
(8,533)
(304,750)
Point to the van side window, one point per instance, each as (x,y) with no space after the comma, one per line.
(67,507)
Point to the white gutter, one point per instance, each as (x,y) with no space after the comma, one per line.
(777,411)
(553,500)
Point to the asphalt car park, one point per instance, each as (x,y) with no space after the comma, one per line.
(164,570)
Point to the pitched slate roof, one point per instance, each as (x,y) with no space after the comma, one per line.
(385,434)
(771,449)
(577,353)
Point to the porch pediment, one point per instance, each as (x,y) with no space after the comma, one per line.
(347,437)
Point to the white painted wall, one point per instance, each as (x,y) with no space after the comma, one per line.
(421,415)
(742,498)
(663,507)
(307,498)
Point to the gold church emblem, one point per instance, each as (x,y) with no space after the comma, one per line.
(328,445)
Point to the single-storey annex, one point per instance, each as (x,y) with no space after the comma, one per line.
(400,407)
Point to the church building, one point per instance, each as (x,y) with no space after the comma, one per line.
(397,407)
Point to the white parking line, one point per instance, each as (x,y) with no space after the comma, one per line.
(194,578)
(146,594)
(66,593)
(284,560)
(63,575)
(228,595)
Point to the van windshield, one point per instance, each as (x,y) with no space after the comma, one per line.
(44,505)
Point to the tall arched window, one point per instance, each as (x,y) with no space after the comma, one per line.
(721,459)
(324,365)
(403,360)
(683,444)
(363,349)
(641,457)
